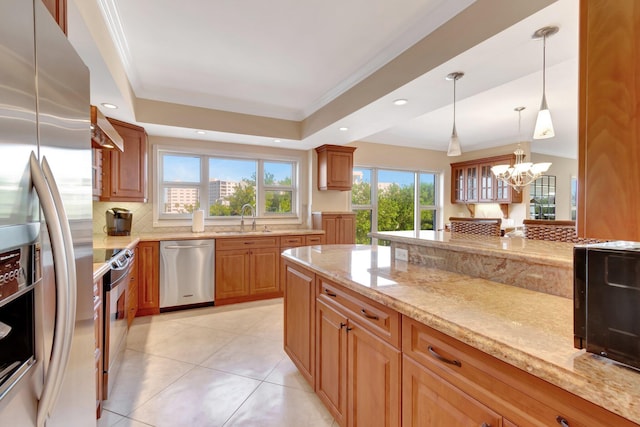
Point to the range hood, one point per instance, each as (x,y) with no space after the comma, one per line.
(103,134)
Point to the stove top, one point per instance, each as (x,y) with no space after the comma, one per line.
(104,255)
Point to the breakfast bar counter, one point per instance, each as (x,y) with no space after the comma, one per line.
(527,329)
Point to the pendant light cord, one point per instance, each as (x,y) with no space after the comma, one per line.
(544,63)
(454,101)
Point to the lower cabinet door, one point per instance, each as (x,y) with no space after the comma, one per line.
(299,312)
(232,273)
(265,269)
(331,360)
(430,401)
(373,376)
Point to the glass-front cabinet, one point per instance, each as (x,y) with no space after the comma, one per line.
(473,182)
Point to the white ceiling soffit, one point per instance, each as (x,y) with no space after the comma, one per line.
(277,58)
(289,60)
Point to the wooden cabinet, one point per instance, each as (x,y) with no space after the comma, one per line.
(335,167)
(487,389)
(339,227)
(331,365)
(96,173)
(295,241)
(428,400)
(609,120)
(132,290)
(148,259)
(98,320)
(358,370)
(124,176)
(299,314)
(473,182)
(247,269)
(374,367)
(58,9)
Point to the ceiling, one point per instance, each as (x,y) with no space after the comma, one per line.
(316,66)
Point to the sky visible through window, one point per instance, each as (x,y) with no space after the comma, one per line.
(387,176)
(187,169)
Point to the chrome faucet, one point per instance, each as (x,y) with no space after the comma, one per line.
(253,217)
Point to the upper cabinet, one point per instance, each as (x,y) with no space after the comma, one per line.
(335,167)
(58,9)
(609,120)
(473,182)
(124,174)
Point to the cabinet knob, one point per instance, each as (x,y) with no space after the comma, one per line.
(562,421)
(485,425)
(342,325)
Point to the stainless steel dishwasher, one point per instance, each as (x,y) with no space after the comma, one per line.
(187,272)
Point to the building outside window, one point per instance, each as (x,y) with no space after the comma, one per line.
(222,185)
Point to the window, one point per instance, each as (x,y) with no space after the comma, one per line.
(222,185)
(396,206)
(543,198)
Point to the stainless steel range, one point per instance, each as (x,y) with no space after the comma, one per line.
(115,283)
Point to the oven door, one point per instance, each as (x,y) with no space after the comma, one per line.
(115,332)
(613,305)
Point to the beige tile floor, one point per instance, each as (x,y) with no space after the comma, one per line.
(214,366)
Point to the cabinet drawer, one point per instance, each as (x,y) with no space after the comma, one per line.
(378,319)
(291,241)
(249,242)
(519,396)
(315,239)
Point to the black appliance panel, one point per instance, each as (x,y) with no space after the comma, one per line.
(613,305)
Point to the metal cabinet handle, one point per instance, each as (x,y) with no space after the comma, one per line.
(331,294)
(563,422)
(187,246)
(342,325)
(369,316)
(444,359)
(249,242)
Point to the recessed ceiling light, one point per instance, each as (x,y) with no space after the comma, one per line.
(344,129)
(401,101)
(200,132)
(107,105)
(277,140)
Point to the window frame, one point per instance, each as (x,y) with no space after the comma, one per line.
(162,219)
(418,208)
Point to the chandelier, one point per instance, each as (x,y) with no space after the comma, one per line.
(521,173)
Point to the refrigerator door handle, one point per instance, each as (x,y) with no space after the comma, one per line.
(72,282)
(56,364)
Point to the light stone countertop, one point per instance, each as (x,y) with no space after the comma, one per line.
(517,248)
(530,330)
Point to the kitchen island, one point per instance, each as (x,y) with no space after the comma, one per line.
(526,333)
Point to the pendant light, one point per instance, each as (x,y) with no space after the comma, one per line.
(454,142)
(544,125)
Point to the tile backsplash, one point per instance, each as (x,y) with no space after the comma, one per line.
(143,220)
(142,216)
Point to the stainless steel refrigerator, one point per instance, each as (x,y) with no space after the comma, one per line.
(47,343)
